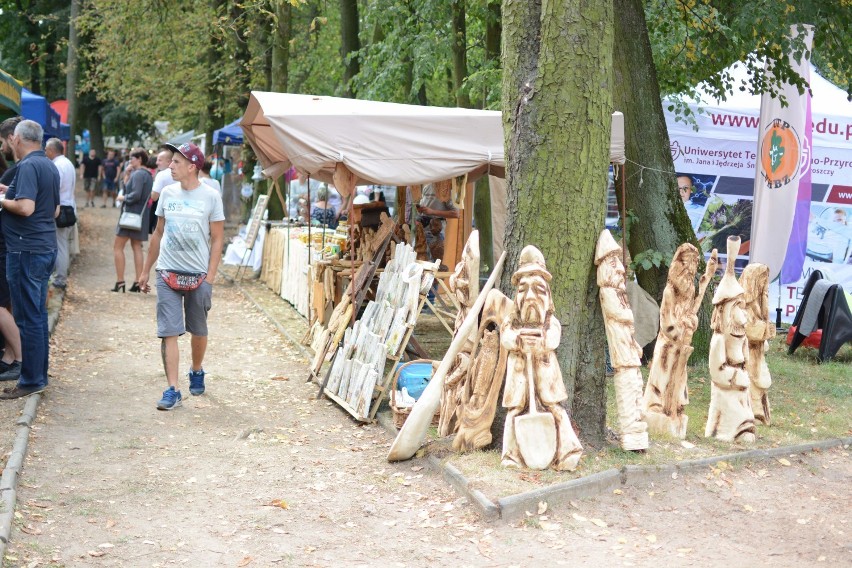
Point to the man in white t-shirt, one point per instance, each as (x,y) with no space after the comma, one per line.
(162,178)
(54,149)
(186,247)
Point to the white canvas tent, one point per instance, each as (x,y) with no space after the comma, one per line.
(720,158)
(381,143)
(384,143)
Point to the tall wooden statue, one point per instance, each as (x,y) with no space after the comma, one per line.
(465,285)
(666,393)
(535,438)
(730,417)
(625,354)
(759,330)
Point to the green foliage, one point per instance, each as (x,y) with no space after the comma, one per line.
(646,260)
(695,40)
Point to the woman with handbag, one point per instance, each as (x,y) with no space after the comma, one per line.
(133,222)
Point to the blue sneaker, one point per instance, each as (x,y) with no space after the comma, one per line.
(196,382)
(171,399)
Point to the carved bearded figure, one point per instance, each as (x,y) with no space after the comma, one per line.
(465,285)
(531,335)
(759,330)
(625,353)
(666,393)
(730,417)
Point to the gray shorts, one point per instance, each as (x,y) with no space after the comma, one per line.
(171,305)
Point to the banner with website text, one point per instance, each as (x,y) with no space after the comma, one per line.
(719,162)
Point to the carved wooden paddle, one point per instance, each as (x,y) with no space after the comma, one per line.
(414,429)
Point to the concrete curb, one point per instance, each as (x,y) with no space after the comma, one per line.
(297,342)
(15,463)
(514,507)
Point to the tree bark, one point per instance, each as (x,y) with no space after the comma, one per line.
(663,224)
(557,123)
(281,46)
(459,53)
(280,78)
(96,131)
(72,70)
(349,43)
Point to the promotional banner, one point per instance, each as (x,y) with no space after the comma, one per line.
(783,160)
(716,164)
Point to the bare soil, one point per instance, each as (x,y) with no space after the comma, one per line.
(257,472)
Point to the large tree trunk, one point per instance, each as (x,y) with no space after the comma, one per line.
(557,83)
(96,131)
(663,224)
(349,43)
(459,53)
(280,78)
(72,71)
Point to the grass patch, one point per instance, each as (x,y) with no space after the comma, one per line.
(809,402)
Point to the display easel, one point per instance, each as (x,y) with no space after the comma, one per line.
(356,291)
(380,391)
(252,231)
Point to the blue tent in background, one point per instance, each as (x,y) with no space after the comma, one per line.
(231,134)
(64,131)
(35,107)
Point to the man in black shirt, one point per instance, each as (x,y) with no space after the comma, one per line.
(91,171)
(10,363)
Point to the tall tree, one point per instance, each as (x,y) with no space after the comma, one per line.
(349,43)
(459,41)
(281,46)
(556,123)
(71,74)
(663,224)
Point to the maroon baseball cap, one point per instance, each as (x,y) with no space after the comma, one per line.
(189,151)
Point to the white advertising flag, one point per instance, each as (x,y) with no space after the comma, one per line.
(782,157)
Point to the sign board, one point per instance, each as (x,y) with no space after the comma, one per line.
(255,221)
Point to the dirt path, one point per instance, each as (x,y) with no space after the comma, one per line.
(257,473)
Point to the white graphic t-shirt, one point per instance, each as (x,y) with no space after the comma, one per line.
(186,241)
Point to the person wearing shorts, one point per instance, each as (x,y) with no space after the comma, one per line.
(186,247)
(91,171)
(110,171)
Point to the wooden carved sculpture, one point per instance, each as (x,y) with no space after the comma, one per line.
(625,354)
(530,334)
(464,283)
(481,387)
(666,393)
(759,330)
(730,417)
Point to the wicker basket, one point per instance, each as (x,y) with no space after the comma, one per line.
(400,414)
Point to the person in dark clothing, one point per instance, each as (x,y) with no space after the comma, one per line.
(110,170)
(91,170)
(29,209)
(10,362)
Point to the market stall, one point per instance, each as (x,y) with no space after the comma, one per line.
(10,95)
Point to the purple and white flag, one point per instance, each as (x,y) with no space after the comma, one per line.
(782,183)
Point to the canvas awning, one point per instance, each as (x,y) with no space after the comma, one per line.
(10,93)
(381,143)
(230,134)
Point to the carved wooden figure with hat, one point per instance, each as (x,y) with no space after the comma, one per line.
(730,417)
(625,353)
(531,334)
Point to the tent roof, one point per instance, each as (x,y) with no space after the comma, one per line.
(35,107)
(181,138)
(384,143)
(381,143)
(10,92)
(229,134)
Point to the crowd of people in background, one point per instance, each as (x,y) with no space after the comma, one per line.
(38,217)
